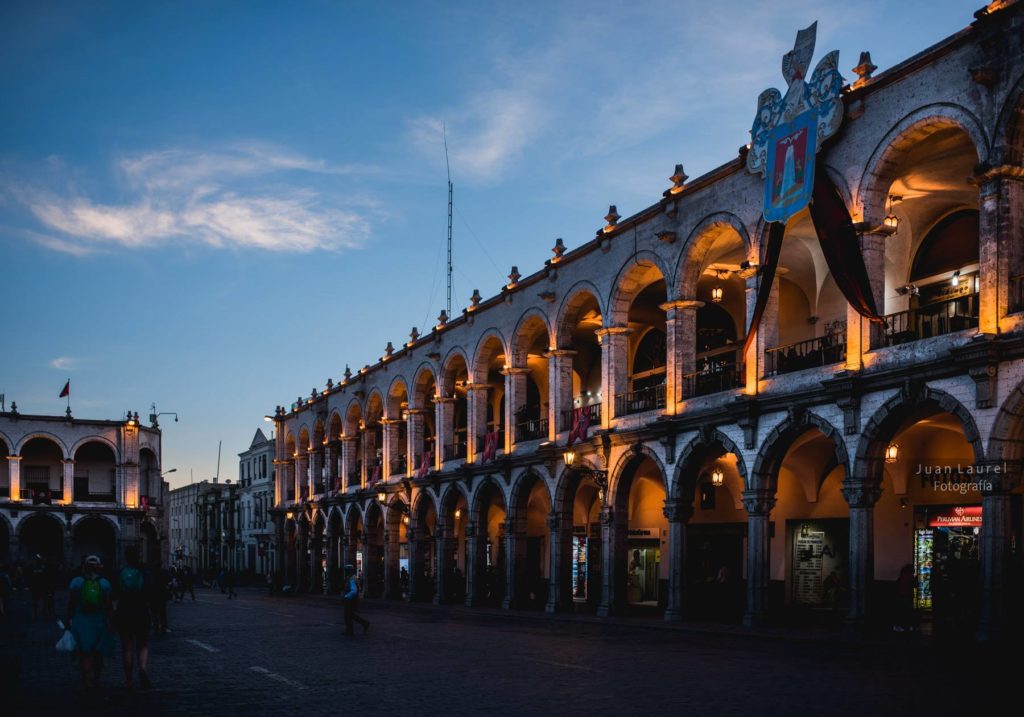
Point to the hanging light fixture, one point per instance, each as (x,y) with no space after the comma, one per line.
(892,221)
(382,497)
(955,280)
(458,513)
(717,477)
(892,453)
(569,457)
(716,294)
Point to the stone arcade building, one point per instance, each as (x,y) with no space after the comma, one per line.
(794,482)
(72,487)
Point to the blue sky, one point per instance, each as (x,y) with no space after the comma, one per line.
(215,206)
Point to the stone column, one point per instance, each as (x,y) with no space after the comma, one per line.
(349,451)
(391,447)
(559,567)
(681,348)
(68,485)
(412,535)
(996,541)
(515,400)
(476,423)
(560,383)
(414,453)
(369,450)
(861,495)
(301,546)
(445,543)
(614,342)
(613,542)
(392,553)
(515,559)
(331,455)
(301,475)
(444,410)
(473,564)
(994,266)
(678,514)
(316,466)
(332,561)
(759,504)
(767,332)
(316,550)
(861,334)
(280,491)
(14,474)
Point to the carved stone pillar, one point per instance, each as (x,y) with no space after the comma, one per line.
(415,437)
(759,504)
(476,419)
(515,562)
(996,542)
(613,565)
(316,551)
(444,407)
(392,433)
(332,457)
(445,543)
(301,477)
(332,562)
(767,332)
(414,536)
(678,514)
(560,566)
(861,497)
(474,564)
(861,334)
(681,348)
(301,550)
(560,383)
(316,467)
(614,342)
(515,400)
(14,474)
(68,485)
(392,554)
(349,452)
(280,561)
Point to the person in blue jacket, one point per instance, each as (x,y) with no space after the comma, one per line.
(351,600)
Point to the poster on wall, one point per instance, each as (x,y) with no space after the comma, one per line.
(809,547)
(579,568)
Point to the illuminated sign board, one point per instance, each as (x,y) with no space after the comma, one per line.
(959,516)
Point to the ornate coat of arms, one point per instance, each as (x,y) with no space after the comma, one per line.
(788,131)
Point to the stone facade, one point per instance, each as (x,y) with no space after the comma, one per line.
(71,487)
(440,468)
(256,498)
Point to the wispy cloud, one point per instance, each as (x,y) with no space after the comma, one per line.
(65,363)
(246,196)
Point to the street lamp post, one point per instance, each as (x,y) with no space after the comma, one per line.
(599,476)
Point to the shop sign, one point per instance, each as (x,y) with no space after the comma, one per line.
(651,533)
(958,516)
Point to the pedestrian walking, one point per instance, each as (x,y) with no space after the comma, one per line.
(229,584)
(351,601)
(188,578)
(158,597)
(88,619)
(131,617)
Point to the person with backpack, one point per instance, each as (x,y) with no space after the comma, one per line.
(351,601)
(131,617)
(88,619)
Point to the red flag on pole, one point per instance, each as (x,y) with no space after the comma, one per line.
(580,425)
(66,391)
(490,445)
(425,465)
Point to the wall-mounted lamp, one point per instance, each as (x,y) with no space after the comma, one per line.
(716,294)
(717,478)
(892,453)
(955,279)
(891,221)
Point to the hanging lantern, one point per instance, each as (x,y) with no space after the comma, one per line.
(892,221)
(717,478)
(892,453)
(716,294)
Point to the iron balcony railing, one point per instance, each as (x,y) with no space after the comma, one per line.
(651,398)
(718,370)
(399,465)
(942,317)
(820,351)
(532,430)
(499,444)
(593,413)
(456,451)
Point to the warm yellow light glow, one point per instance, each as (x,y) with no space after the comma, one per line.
(716,294)
(569,457)
(892,453)
(405,519)
(717,477)
(458,513)
(891,221)
(955,280)
(382,496)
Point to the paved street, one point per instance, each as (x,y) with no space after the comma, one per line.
(260,655)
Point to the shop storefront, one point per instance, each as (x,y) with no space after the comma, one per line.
(818,552)
(643,575)
(947,541)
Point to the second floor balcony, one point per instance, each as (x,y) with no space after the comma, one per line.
(819,351)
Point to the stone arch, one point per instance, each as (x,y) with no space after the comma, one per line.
(42,514)
(335,517)
(697,450)
(450,369)
(53,438)
(447,503)
(528,325)
(86,540)
(522,487)
(424,499)
(566,482)
(396,388)
(634,455)
(353,515)
(765,474)
(869,460)
(353,415)
(375,405)
(568,313)
(424,372)
(626,286)
(1006,441)
(98,439)
(881,167)
(700,240)
(7,442)
(1008,137)
(335,425)
(481,354)
(481,489)
(305,439)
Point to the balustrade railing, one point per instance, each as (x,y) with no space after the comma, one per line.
(819,351)
(936,319)
(532,430)
(456,451)
(399,465)
(593,414)
(651,398)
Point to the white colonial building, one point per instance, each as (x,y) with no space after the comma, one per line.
(255,499)
(793,480)
(73,487)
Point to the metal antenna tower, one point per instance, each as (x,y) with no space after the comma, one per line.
(448,170)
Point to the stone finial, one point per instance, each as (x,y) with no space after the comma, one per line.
(612,217)
(475,299)
(442,318)
(513,277)
(330,384)
(678,179)
(313,394)
(558,249)
(863,70)
(14,408)
(389,350)
(414,336)
(348,373)
(298,402)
